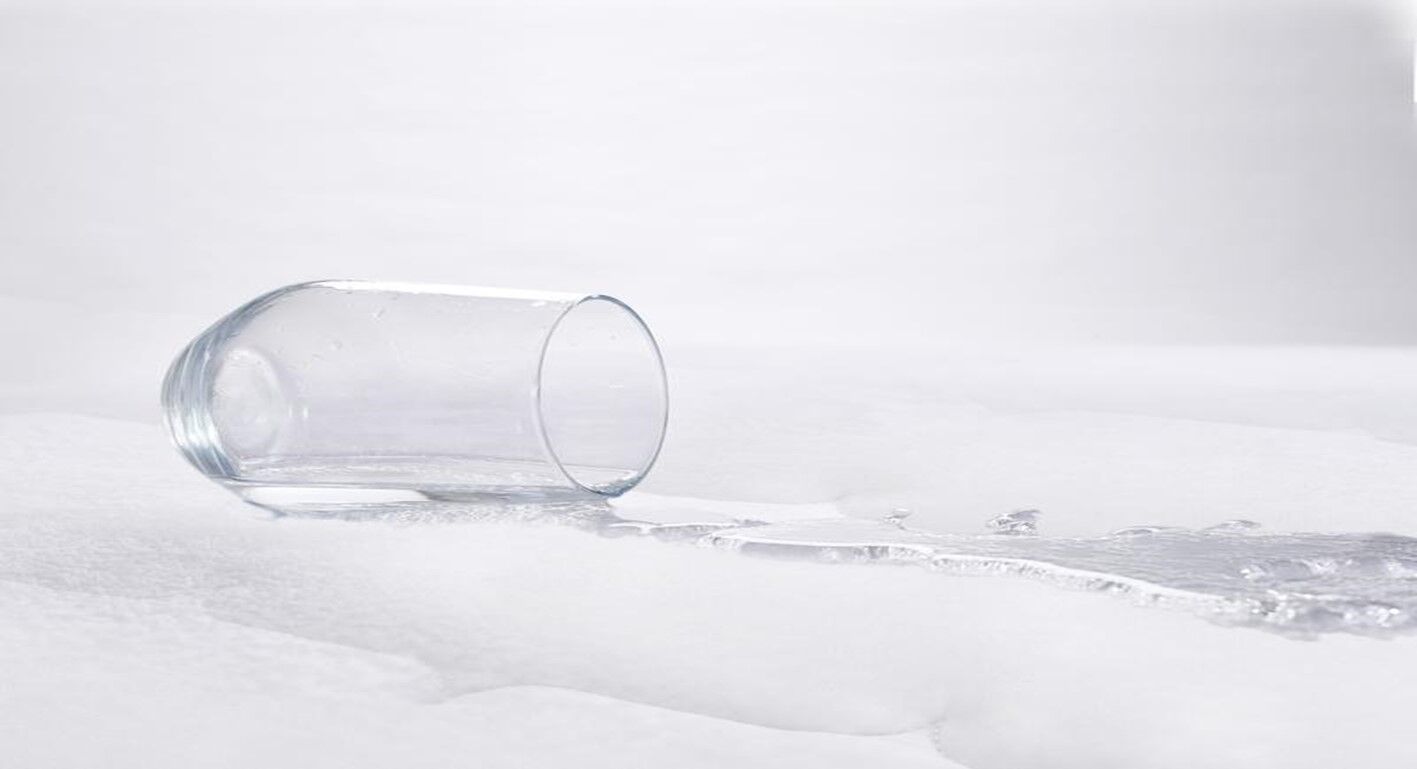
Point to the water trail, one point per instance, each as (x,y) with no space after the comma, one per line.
(1300,584)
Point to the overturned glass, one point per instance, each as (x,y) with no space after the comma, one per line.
(357,393)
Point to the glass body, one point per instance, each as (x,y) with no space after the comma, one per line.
(356,392)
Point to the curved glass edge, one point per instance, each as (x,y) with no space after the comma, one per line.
(187,388)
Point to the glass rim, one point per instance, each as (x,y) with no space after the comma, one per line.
(622,485)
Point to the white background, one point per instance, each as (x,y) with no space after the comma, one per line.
(746,172)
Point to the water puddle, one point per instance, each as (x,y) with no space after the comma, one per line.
(1235,573)
(1301,584)
(1232,573)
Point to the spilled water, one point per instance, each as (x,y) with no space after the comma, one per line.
(1302,584)
(1232,573)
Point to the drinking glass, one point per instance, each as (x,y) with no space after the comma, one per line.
(349,392)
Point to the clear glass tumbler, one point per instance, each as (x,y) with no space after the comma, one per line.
(342,392)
